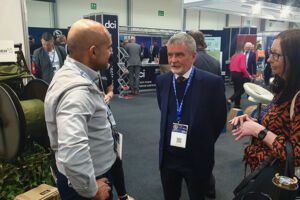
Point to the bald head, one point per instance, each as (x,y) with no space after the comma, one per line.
(247,46)
(84,37)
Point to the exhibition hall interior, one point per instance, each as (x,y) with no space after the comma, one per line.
(47,138)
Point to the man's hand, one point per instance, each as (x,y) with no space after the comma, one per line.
(107,98)
(103,189)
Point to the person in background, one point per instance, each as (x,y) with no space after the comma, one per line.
(187,131)
(250,58)
(134,65)
(163,59)
(106,86)
(238,73)
(76,116)
(207,63)
(268,69)
(144,52)
(154,52)
(32,44)
(61,40)
(274,125)
(203,60)
(47,59)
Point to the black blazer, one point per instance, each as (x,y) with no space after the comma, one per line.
(207,114)
(251,63)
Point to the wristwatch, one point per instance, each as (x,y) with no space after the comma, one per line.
(262,134)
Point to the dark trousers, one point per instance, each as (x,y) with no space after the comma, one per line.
(172,180)
(115,176)
(238,81)
(118,177)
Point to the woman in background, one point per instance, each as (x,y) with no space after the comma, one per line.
(238,73)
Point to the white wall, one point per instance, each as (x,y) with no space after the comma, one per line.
(207,20)
(276,25)
(145,14)
(39,14)
(13,23)
(192,19)
(212,20)
(251,21)
(234,20)
(69,12)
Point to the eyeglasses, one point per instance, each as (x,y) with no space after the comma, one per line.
(274,55)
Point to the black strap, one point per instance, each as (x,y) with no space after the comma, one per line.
(289,165)
(268,161)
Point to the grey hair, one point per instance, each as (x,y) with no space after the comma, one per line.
(183,38)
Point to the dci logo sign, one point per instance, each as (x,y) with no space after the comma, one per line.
(111,25)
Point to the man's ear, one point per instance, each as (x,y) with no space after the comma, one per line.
(92,50)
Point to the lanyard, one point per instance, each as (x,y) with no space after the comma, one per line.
(259,119)
(109,113)
(179,106)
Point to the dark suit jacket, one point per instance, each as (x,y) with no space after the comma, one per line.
(251,63)
(207,63)
(144,53)
(208,117)
(41,60)
(163,55)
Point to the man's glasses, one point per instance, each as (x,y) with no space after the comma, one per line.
(275,56)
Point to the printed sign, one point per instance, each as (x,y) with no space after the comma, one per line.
(7,51)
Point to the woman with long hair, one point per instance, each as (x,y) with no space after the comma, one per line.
(274,126)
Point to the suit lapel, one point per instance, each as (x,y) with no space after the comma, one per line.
(164,104)
(196,94)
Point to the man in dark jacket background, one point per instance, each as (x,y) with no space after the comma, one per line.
(207,63)
(203,60)
(47,59)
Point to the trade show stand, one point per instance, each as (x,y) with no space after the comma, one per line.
(148,75)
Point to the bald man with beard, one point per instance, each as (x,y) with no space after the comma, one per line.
(76,116)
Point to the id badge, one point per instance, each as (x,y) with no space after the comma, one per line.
(178,135)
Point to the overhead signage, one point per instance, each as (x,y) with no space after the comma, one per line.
(7,51)
(161,13)
(93,6)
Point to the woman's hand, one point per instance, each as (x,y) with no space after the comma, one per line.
(245,127)
(239,120)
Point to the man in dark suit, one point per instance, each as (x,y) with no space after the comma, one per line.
(48,59)
(203,60)
(250,59)
(193,113)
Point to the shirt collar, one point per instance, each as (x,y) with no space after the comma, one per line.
(94,75)
(186,75)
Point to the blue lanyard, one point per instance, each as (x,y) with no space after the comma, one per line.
(179,106)
(108,111)
(262,114)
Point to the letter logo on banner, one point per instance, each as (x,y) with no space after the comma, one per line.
(143,74)
(111,25)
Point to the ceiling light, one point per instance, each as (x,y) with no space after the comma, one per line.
(256,9)
(284,12)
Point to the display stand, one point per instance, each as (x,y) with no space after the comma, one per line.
(123,74)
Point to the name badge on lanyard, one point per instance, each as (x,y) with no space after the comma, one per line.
(179,135)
